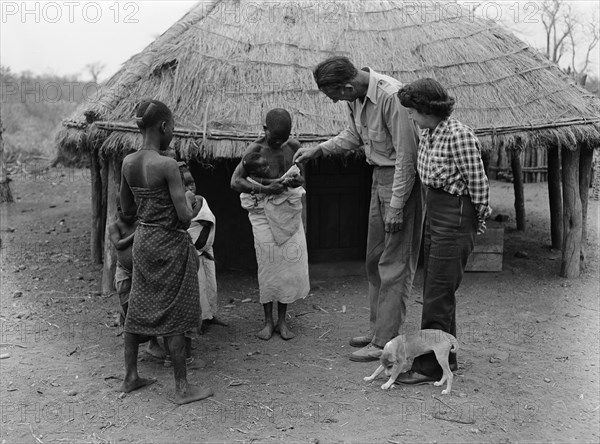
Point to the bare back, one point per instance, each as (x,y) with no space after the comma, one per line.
(148,169)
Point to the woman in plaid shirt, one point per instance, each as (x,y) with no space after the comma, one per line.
(450,167)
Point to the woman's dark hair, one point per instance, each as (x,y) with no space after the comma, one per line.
(337,70)
(427,96)
(151,112)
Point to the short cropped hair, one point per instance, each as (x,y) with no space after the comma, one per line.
(279,121)
(427,96)
(151,112)
(336,70)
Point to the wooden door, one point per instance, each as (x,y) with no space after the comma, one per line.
(338,192)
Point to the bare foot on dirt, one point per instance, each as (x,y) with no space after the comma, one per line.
(266,333)
(129,386)
(196,363)
(218,321)
(192,394)
(284,331)
(154,349)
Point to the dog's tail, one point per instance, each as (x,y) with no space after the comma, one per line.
(454,343)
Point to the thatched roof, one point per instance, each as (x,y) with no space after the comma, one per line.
(226,63)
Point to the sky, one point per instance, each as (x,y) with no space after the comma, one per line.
(62,37)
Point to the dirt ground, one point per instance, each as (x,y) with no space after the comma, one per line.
(528,359)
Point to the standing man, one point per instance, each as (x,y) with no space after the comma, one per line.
(380,125)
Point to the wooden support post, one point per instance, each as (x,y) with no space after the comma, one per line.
(104,166)
(586,156)
(570,263)
(493,163)
(110,254)
(515,163)
(555,197)
(539,162)
(97,234)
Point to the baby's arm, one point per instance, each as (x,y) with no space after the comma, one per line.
(266,180)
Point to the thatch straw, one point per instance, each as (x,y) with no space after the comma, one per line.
(226,63)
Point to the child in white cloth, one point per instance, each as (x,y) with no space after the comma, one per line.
(202,231)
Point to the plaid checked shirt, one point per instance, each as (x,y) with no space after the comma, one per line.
(450,158)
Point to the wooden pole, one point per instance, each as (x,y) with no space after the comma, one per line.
(97,226)
(110,253)
(586,156)
(5,193)
(515,163)
(493,163)
(570,263)
(555,197)
(104,166)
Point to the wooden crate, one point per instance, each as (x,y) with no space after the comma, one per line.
(487,252)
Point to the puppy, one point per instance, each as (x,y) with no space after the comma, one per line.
(399,353)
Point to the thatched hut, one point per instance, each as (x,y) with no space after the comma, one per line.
(225,63)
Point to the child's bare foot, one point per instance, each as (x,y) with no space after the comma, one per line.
(192,394)
(129,386)
(266,333)
(154,349)
(195,363)
(284,331)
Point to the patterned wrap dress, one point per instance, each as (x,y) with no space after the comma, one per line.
(164,290)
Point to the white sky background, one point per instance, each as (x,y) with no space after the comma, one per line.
(62,37)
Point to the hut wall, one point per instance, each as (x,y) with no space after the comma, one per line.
(534,164)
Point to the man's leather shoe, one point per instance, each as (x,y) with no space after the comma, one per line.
(361,341)
(367,354)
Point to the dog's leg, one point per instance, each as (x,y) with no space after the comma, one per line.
(396,370)
(447,376)
(375,374)
(388,384)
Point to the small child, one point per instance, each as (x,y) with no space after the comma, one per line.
(122,232)
(202,232)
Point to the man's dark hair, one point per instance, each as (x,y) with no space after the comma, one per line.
(336,70)
(251,162)
(151,112)
(427,96)
(279,122)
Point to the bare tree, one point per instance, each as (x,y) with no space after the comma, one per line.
(567,33)
(94,69)
(589,29)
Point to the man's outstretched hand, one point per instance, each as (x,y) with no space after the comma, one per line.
(305,154)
